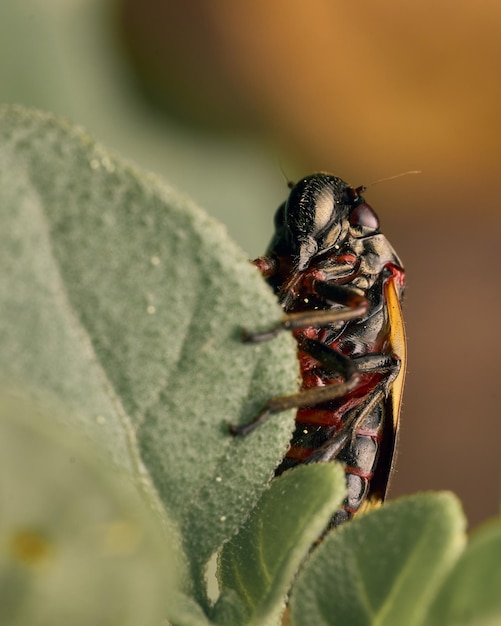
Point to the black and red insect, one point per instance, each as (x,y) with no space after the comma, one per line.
(340,284)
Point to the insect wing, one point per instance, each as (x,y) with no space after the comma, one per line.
(392,403)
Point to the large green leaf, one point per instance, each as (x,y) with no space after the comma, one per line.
(383,568)
(124,302)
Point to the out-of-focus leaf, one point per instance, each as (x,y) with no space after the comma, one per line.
(78,545)
(471,595)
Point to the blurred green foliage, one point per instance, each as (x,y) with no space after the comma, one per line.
(65,57)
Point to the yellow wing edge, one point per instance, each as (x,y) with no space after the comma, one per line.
(398,345)
(399,349)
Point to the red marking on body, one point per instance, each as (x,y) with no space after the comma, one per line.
(351,510)
(397,275)
(298,453)
(346,258)
(318,417)
(349,469)
(309,333)
(266,265)
(311,380)
(338,407)
(311,277)
(373,433)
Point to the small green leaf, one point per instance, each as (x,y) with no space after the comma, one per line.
(78,545)
(258,565)
(471,595)
(124,302)
(382,568)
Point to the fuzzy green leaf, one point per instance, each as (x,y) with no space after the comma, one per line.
(471,595)
(123,301)
(382,568)
(258,565)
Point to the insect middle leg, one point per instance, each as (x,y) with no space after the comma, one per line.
(328,357)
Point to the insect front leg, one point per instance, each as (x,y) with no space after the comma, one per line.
(267,265)
(354,306)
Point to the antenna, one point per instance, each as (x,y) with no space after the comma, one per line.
(383,180)
(290,183)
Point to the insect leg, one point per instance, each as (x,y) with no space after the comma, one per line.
(382,363)
(327,356)
(354,306)
(267,265)
(307,397)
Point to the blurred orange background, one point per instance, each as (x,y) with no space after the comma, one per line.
(367,90)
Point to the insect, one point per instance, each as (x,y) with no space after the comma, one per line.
(340,284)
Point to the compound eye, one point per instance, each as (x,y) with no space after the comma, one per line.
(363,216)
